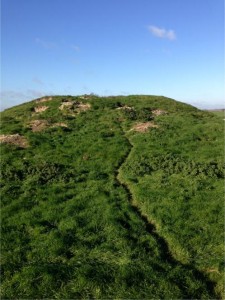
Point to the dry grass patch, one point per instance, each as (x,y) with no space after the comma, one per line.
(158,112)
(125,107)
(14,139)
(40,109)
(143,127)
(44,99)
(67,104)
(85,96)
(39,125)
(83,106)
(212,271)
(59,125)
(74,106)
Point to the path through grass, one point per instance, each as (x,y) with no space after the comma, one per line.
(72,227)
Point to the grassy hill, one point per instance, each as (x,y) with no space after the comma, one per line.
(111,198)
(219,112)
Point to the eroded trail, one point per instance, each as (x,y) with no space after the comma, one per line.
(150,228)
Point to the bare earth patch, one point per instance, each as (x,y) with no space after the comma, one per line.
(125,107)
(143,127)
(74,106)
(14,139)
(212,271)
(59,125)
(85,96)
(83,106)
(44,99)
(39,109)
(38,125)
(67,104)
(158,112)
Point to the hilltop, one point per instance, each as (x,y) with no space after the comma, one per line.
(111,198)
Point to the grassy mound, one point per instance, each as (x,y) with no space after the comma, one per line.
(117,197)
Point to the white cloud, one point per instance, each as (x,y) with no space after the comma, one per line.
(45,44)
(162,33)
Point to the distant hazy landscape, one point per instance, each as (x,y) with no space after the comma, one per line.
(117,197)
(218,112)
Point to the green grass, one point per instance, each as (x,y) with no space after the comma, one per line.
(98,211)
(219,113)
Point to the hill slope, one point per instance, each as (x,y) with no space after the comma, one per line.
(117,197)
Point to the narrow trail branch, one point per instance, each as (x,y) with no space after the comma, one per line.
(150,228)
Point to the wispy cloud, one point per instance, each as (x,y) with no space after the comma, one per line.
(162,33)
(14,97)
(167,51)
(75,48)
(37,81)
(45,44)
(14,94)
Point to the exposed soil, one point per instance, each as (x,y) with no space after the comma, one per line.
(39,125)
(39,109)
(125,107)
(83,106)
(67,104)
(212,271)
(60,125)
(85,97)
(14,139)
(143,127)
(74,106)
(44,99)
(86,157)
(158,112)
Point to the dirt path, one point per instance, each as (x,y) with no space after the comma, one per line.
(150,228)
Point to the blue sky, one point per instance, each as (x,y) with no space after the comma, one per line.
(173,48)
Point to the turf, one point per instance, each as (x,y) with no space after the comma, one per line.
(95,209)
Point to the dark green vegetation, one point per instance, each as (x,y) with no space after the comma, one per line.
(93,209)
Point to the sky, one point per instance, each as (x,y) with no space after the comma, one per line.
(173,48)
